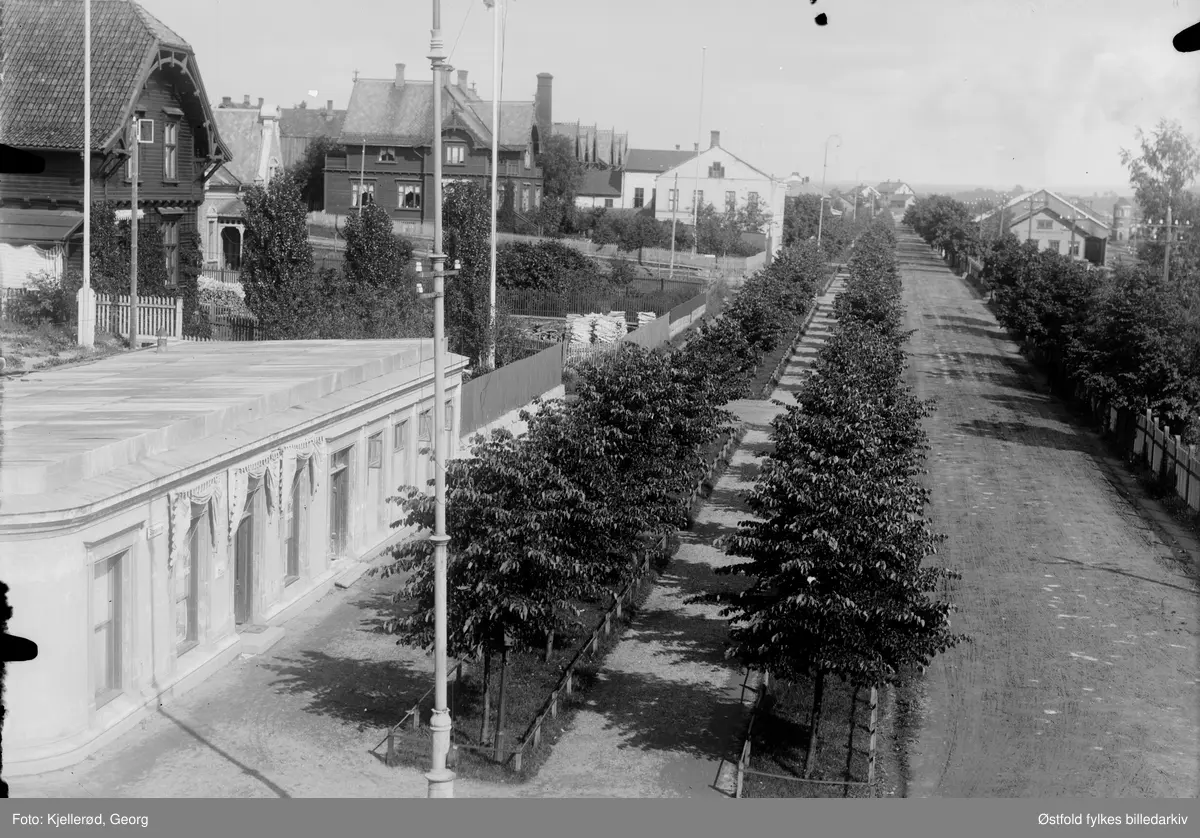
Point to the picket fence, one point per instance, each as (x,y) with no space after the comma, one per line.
(153,313)
(1164,454)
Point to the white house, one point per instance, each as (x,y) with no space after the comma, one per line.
(1056,224)
(896,196)
(158,526)
(724,178)
(641,171)
(601,188)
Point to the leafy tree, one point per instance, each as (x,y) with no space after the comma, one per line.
(466,224)
(562,176)
(546,265)
(151,257)
(800,216)
(277,259)
(309,171)
(109,255)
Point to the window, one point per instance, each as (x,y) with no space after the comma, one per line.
(537,197)
(171,151)
(608,202)
(297,521)
(751,197)
(639,197)
(716,170)
(400,472)
(528,159)
(375,451)
(698,197)
(187,581)
(364,189)
(339,500)
(525,197)
(730,200)
(673,201)
(450,417)
(170,234)
(409,196)
(1053,245)
(387,155)
(1074,248)
(106,628)
(211,250)
(510,168)
(456,155)
(1045,225)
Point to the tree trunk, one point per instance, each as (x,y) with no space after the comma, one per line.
(810,761)
(500,707)
(549,645)
(487,694)
(850,743)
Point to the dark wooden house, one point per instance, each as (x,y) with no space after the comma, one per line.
(387,142)
(141,69)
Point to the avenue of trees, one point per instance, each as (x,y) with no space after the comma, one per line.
(836,553)
(1131,335)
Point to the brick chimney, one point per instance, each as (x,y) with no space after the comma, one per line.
(246,100)
(260,102)
(328,104)
(677,146)
(716,140)
(543,113)
(227,101)
(462,80)
(696,147)
(399,75)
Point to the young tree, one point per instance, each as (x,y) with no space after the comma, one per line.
(466,223)
(277,260)
(309,171)
(562,176)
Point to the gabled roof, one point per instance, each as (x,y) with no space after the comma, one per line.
(242,131)
(380,113)
(727,152)
(653,160)
(601,183)
(307,123)
(516,121)
(41,99)
(1046,198)
(890,186)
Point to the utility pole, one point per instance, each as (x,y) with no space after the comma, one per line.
(495,6)
(1030,217)
(441,779)
(86,305)
(820,219)
(133,235)
(696,186)
(825,166)
(674,217)
(1170,231)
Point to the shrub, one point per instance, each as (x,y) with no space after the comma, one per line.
(47,299)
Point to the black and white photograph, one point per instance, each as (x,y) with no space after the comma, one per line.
(535,399)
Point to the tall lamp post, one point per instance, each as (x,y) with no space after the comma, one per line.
(825,166)
(441,779)
(86,298)
(820,218)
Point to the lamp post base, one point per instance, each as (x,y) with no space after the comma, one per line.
(441,783)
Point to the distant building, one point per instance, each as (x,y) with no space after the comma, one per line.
(252,134)
(795,186)
(300,126)
(387,143)
(1124,220)
(594,146)
(601,188)
(725,179)
(640,175)
(896,196)
(1056,224)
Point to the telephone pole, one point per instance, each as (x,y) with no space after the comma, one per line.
(696,185)
(1170,229)
(86,305)
(674,217)
(133,235)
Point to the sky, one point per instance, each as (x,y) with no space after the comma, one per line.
(945,92)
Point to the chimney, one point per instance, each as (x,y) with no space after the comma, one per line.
(303,105)
(246,100)
(328,104)
(677,146)
(227,102)
(696,147)
(543,113)
(716,140)
(399,75)
(462,79)
(260,102)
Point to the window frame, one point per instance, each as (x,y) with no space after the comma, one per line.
(455,149)
(405,188)
(639,197)
(387,154)
(359,187)
(171,151)
(169,227)
(199,534)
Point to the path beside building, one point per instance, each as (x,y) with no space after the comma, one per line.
(1082,677)
(667,710)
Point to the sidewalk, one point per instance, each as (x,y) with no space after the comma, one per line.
(667,713)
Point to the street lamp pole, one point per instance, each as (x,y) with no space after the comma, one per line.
(86,306)
(497,11)
(441,779)
(820,219)
(696,184)
(825,166)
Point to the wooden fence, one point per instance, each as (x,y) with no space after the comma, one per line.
(490,396)
(1172,461)
(153,313)
(230,276)
(225,325)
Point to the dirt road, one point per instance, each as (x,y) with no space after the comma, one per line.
(1082,678)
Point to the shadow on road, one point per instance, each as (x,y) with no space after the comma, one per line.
(1037,436)
(992,333)
(277,790)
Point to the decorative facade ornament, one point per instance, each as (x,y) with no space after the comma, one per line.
(266,467)
(180,504)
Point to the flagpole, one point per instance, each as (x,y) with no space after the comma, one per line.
(696,185)
(496,11)
(85,306)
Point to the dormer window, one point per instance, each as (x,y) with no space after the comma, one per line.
(387,155)
(716,170)
(456,155)
(528,158)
